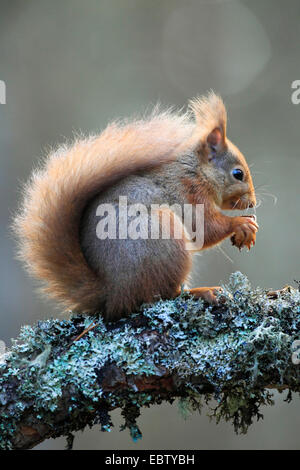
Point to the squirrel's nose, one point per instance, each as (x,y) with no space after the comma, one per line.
(252,203)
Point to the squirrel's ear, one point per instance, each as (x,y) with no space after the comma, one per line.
(210,115)
(216,139)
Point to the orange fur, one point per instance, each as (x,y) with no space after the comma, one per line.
(48,222)
(210,113)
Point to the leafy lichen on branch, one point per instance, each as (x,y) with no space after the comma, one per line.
(52,385)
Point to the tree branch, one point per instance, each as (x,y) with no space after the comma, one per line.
(57,378)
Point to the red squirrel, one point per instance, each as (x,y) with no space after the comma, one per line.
(165,158)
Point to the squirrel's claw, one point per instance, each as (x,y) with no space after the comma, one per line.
(244,229)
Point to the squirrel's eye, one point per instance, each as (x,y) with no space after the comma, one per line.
(238,174)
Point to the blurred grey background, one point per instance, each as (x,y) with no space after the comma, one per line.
(72,66)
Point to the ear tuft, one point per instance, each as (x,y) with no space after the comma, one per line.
(210,115)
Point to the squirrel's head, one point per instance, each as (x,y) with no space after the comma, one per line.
(222,164)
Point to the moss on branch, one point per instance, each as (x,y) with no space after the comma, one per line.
(53,384)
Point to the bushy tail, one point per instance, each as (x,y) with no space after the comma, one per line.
(48,223)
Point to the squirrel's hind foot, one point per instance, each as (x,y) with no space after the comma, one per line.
(209,294)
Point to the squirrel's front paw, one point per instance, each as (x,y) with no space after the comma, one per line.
(244,231)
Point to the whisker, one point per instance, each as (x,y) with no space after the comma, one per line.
(225,254)
(275,198)
(261,186)
(236,203)
(258,204)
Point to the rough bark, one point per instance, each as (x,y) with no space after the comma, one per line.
(61,375)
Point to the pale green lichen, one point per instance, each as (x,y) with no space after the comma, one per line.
(229,353)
